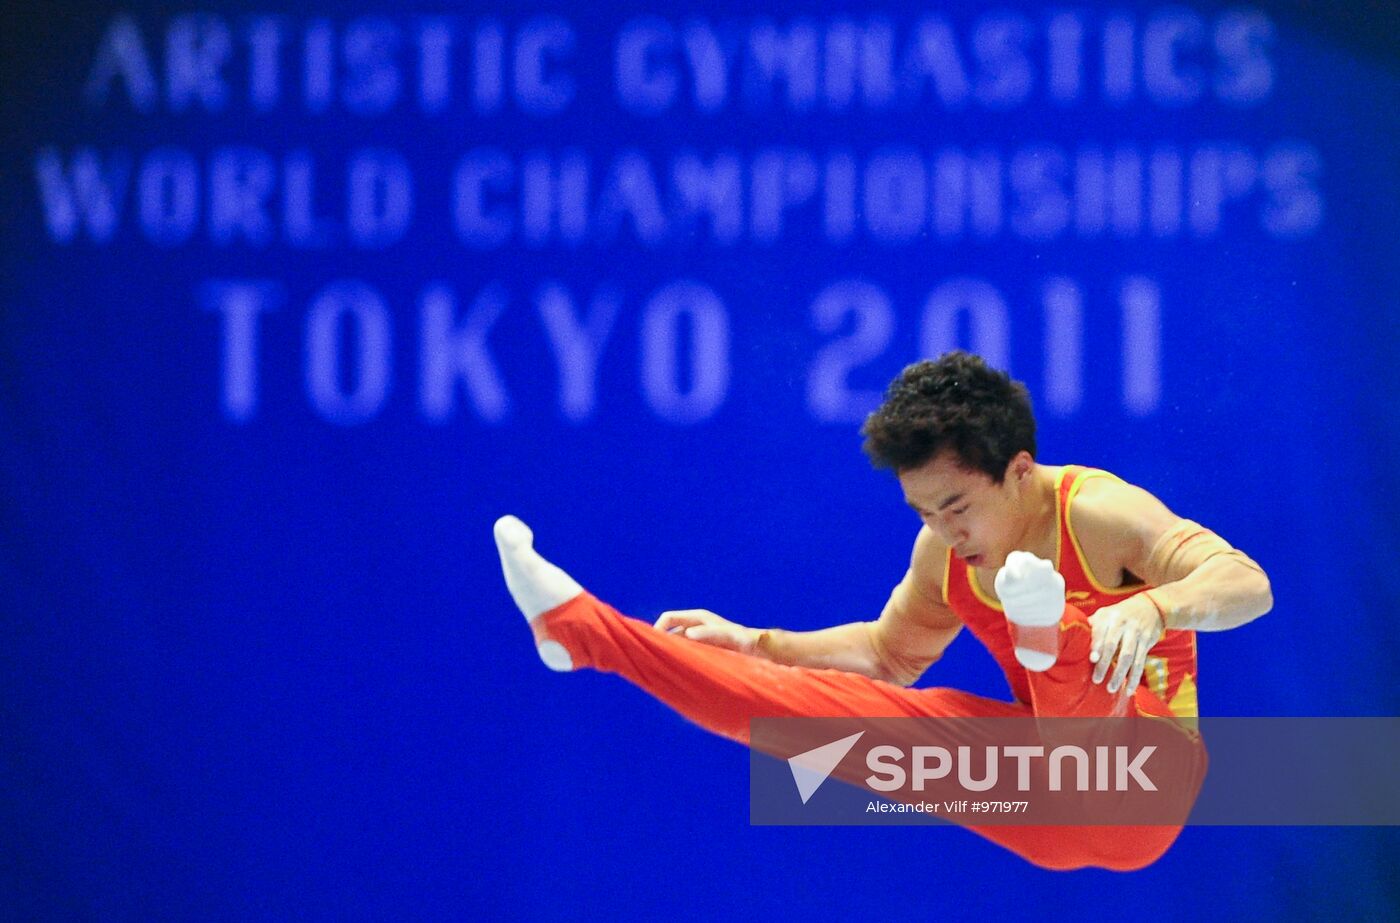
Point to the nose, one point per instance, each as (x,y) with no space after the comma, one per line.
(946,534)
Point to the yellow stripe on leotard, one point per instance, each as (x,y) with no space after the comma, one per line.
(1087,474)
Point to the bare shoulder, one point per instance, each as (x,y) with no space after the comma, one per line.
(927,563)
(919,596)
(1117,523)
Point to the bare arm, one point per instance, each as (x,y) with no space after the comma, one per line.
(1199,581)
(1203,584)
(911,633)
(1196,580)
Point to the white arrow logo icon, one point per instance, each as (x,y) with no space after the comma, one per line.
(810,769)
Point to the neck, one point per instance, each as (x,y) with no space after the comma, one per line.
(1039,505)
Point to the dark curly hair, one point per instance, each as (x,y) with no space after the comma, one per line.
(958,403)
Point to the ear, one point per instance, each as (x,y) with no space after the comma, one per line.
(1020,467)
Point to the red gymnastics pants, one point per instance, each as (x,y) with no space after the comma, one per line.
(722,690)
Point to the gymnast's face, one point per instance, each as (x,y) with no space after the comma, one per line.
(981,520)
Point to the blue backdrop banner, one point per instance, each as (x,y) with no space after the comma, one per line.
(296,301)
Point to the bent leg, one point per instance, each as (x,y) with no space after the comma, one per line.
(1064,849)
(1067,689)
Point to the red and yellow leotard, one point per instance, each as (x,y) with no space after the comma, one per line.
(1171,669)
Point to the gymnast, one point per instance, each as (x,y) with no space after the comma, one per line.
(1086,590)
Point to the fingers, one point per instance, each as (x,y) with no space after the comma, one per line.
(678,619)
(670,621)
(701,625)
(1123,635)
(1104,647)
(1127,656)
(1139,664)
(710,634)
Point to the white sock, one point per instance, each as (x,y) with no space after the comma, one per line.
(1032,594)
(536,585)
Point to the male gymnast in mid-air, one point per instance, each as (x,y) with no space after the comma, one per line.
(1009,548)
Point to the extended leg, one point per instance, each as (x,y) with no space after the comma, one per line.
(718,689)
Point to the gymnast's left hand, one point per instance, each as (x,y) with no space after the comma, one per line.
(1122,635)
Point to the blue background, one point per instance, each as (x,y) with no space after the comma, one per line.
(267,668)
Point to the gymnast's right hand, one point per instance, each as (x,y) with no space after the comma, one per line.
(708,628)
